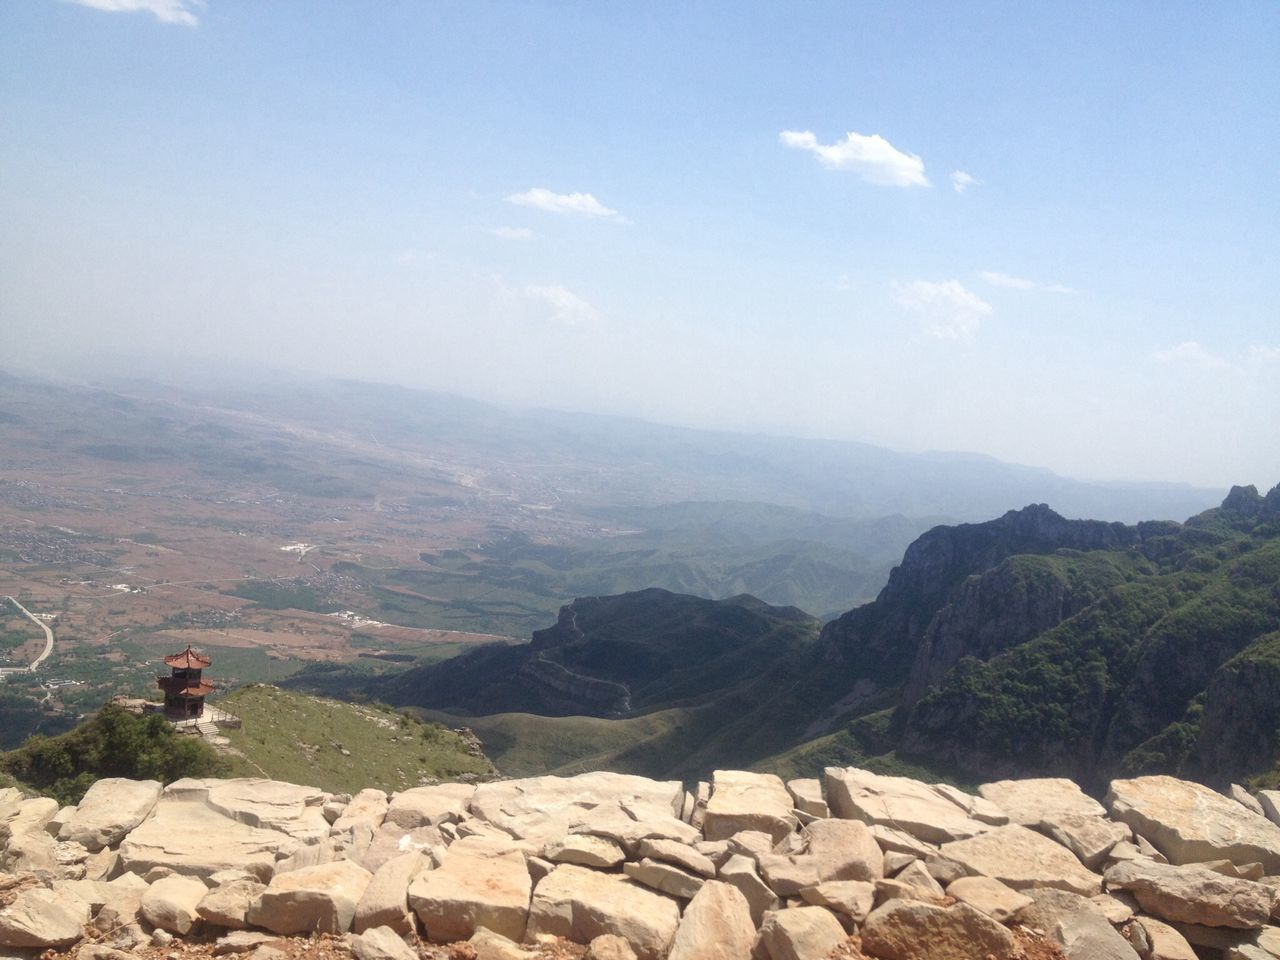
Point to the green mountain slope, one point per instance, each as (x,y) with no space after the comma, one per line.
(1029,644)
(342,747)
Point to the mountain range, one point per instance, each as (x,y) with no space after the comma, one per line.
(1030,644)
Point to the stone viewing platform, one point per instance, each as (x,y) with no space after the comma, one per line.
(613,867)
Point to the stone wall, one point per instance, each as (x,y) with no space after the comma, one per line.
(745,867)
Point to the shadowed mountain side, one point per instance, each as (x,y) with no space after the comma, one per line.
(616,656)
(1029,644)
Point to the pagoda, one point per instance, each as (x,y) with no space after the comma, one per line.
(184,689)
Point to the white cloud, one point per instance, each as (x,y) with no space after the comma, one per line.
(951,311)
(998,279)
(1259,356)
(185,12)
(872,158)
(512,233)
(582,204)
(963,181)
(1192,353)
(566,306)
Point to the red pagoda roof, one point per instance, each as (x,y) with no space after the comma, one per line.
(170,685)
(188,659)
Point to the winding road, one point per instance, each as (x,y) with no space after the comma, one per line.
(48,635)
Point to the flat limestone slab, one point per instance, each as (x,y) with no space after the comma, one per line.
(748,801)
(481,883)
(543,809)
(1023,859)
(580,904)
(110,809)
(898,802)
(288,808)
(1029,801)
(1191,894)
(1190,823)
(193,839)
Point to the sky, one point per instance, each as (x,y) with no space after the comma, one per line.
(1045,232)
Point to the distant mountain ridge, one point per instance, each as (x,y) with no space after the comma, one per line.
(1026,645)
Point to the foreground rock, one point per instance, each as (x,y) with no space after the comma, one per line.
(171,903)
(1194,894)
(748,801)
(41,918)
(110,809)
(318,899)
(580,904)
(1189,823)
(1023,859)
(1077,925)
(909,930)
(898,802)
(482,883)
(716,926)
(1027,802)
(802,933)
(543,809)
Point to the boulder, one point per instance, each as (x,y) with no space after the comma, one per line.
(844,850)
(188,836)
(1090,838)
(494,946)
(1242,796)
(287,808)
(380,943)
(394,841)
(806,795)
(787,875)
(546,808)
(317,899)
(385,901)
(580,904)
(997,900)
(906,930)
(665,877)
(429,806)
(227,905)
(368,807)
(481,883)
(41,918)
(975,805)
(917,876)
(110,809)
(680,854)
(1166,942)
(740,871)
(607,946)
(897,841)
(801,933)
(1077,925)
(897,802)
(586,850)
(1189,823)
(716,925)
(171,903)
(1023,859)
(1193,895)
(751,843)
(851,898)
(1027,802)
(748,801)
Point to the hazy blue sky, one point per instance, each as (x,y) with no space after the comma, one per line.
(1046,232)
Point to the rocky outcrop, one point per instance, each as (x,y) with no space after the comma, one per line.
(614,863)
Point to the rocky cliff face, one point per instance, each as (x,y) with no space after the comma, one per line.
(851,866)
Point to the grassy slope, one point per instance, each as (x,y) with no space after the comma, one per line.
(294,737)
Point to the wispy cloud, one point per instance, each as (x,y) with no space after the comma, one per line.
(580,204)
(566,306)
(951,311)
(512,233)
(963,181)
(1256,360)
(874,159)
(1192,353)
(998,279)
(185,12)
